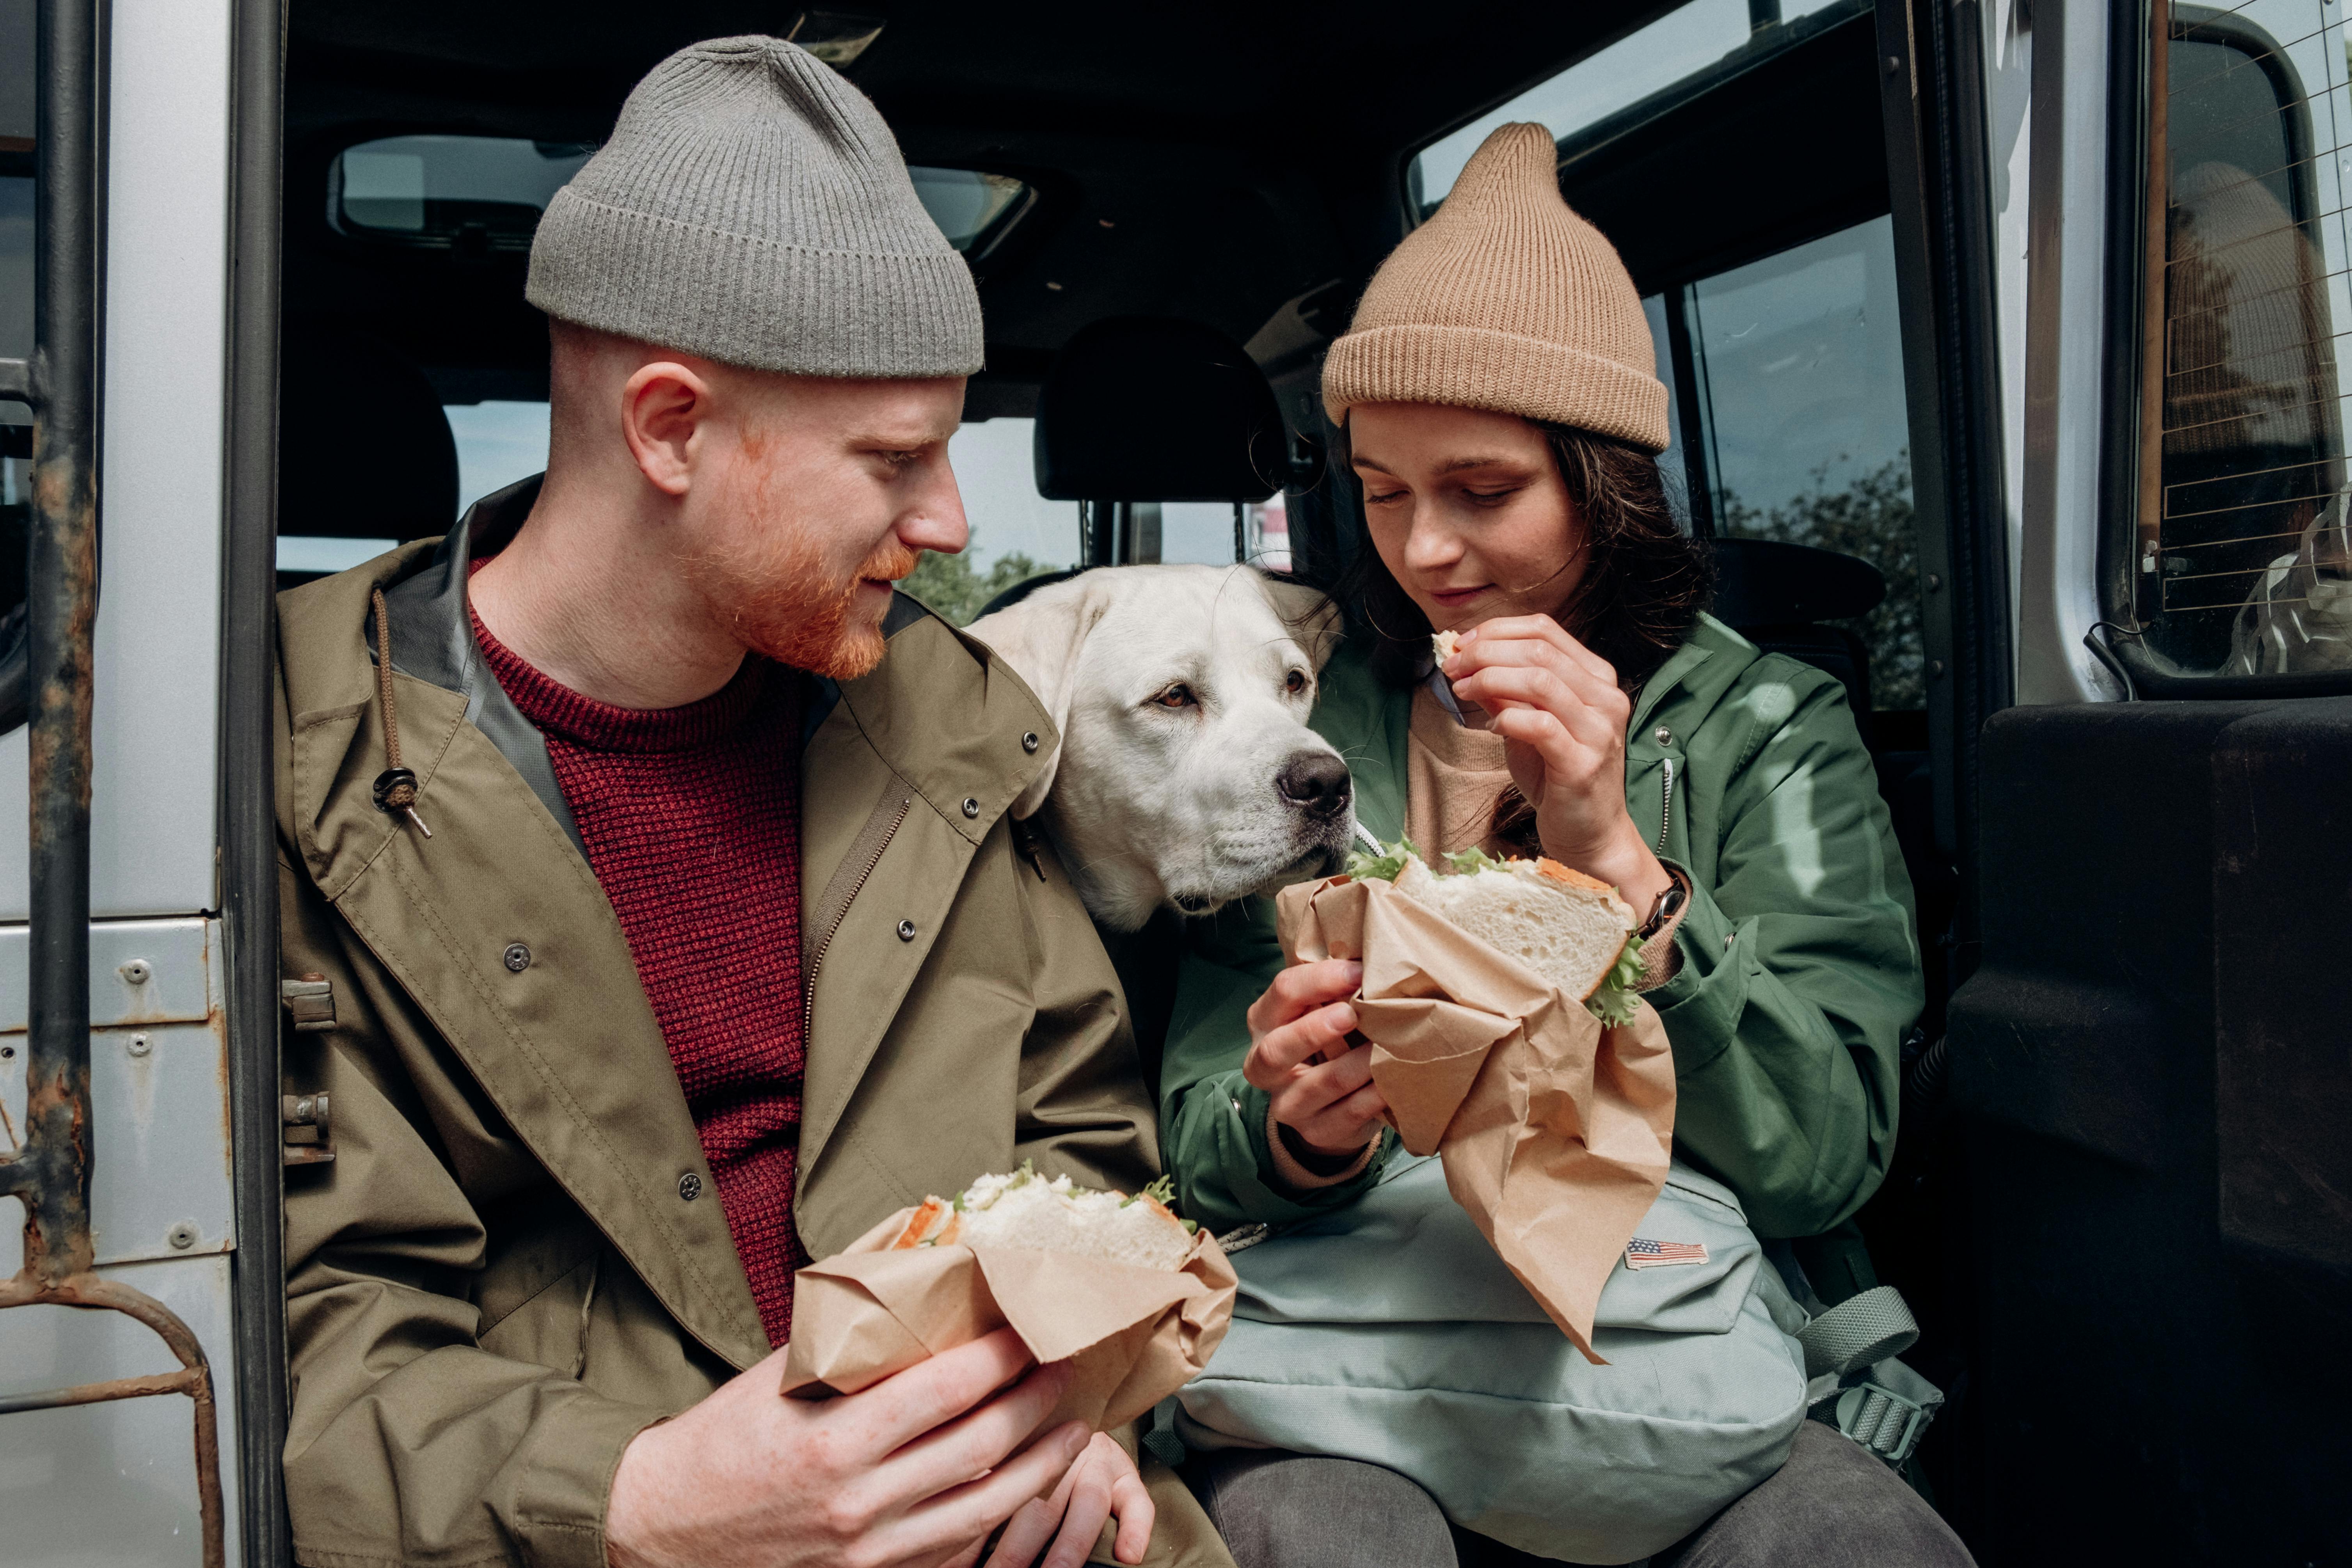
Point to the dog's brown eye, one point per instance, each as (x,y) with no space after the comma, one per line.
(1175,697)
(1295,682)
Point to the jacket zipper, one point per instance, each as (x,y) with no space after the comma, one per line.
(1666,805)
(816,959)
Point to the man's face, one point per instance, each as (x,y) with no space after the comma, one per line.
(810,496)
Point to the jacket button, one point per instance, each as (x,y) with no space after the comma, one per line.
(1029,741)
(1665,736)
(971,806)
(906,930)
(689,1187)
(518,957)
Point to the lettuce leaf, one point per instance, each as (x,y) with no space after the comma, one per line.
(1473,859)
(1385,867)
(1615,1001)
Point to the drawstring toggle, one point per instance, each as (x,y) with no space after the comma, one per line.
(395,787)
(395,792)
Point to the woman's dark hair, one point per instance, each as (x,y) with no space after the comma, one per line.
(1645,583)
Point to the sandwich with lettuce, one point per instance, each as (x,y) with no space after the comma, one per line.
(1570,929)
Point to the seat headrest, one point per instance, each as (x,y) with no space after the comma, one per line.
(1764,583)
(1149,408)
(363,450)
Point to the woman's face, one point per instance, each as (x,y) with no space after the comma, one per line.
(1467,509)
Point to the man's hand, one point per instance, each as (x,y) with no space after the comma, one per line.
(1299,1054)
(914,1470)
(1103,1482)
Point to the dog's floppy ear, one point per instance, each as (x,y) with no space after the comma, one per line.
(1040,637)
(1309,614)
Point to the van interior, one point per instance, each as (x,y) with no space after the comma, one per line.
(1195,191)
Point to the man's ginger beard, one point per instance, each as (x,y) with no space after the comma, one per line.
(784,601)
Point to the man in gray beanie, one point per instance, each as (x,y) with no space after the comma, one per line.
(658,920)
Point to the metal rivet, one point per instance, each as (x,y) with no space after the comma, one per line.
(138,1045)
(1934,582)
(1237,1105)
(906,930)
(518,957)
(1665,736)
(1728,938)
(8,1053)
(138,972)
(971,806)
(182,1237)
(689,1187)
(1029,741)
(1935,667)
(1894,64)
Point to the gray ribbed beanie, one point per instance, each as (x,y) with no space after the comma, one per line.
(751,207)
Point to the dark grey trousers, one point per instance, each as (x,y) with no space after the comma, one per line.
(1830,1505)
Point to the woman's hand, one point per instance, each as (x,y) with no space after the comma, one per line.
(1102,1483)
(1556,705)
(1299,1054)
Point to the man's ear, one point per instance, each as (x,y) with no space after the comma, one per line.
(663,407)
(1309,614)
(1040,638)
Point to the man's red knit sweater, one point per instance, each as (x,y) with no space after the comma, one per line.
(691,820)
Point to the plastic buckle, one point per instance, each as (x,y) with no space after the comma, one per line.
(1882,1420)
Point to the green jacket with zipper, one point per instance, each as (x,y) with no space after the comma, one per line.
(1800,965)
(517,1261)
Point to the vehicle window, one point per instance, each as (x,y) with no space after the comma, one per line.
(1683,52)
(1802,434)
(476,195)
(16,296)
(2240,565)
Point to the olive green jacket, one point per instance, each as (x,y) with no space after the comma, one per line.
(517,1261)
(1799,965)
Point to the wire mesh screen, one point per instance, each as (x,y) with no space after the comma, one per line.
(2245,569)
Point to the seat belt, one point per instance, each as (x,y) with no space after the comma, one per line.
(1858,1386)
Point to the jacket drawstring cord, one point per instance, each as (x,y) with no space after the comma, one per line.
(395,787)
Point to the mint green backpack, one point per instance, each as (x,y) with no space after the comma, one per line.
(1388,1331)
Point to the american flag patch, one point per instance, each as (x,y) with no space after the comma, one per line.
(1644,1253)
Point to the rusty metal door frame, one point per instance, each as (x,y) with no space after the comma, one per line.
(50,1172)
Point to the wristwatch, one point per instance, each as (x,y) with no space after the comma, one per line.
(1669,904)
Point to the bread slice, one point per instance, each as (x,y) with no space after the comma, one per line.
(1566,926)
(1443,645)
(1022,1208)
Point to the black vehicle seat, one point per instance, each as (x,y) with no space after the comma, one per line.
(1151,409)
(1778,595)
(364,448)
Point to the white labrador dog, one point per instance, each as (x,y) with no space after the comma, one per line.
(1187,775)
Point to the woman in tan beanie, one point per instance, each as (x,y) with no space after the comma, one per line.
(1500,410)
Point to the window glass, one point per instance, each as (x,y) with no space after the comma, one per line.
(1693,39)
(1017,533)
(2240,565)
(1803,432)
(487,193)
(497,443)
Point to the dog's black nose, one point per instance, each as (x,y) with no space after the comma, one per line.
(1315,782)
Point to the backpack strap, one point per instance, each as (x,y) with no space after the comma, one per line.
(1867,1395)
(1859,1332)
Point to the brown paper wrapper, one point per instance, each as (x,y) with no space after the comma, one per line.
(1555,1130)
(1134,1335)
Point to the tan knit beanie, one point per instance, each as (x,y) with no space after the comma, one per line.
(1505,301)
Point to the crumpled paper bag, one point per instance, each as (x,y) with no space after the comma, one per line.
(1134,1335)
(1554,1130)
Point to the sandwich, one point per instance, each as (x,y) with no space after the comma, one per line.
(1022,1208)
(1443,645)
(1570,929)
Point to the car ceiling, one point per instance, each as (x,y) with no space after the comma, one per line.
(1212,164)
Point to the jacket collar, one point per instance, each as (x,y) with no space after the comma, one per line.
(433,639)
